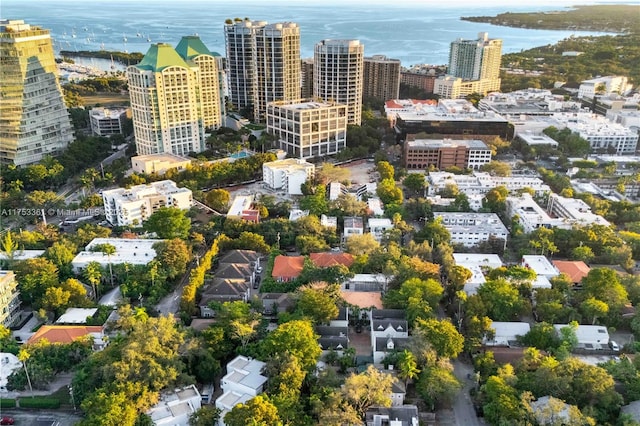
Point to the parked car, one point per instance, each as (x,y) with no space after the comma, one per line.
(614,346)
(259,270)
(6,420)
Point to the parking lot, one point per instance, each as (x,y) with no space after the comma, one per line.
(42,418)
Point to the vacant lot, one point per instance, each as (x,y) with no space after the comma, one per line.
(106,99)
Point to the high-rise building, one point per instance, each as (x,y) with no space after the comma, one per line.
(9,298)
(34,121)
(174,97)
(338,67)
(473,60)
(263,64)
(381,78)
(306,72)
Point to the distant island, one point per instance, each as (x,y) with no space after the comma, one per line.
(122,57)
(623,19)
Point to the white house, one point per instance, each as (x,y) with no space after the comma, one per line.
(287,175)
(591,337)
(389,329)
(175,408)
(506,333)
(540,265)
(378,226)
(131,251)
(353,226)
(124,207)
(239,204)
(243,381)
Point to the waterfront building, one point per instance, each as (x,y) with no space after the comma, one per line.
(263,63)
(174,97)
(34,121)
(442,153)
(107,121)
(473,61)
(381,79)
(9,298)
(307,128)
(124,207)
(338,67)
(288,174)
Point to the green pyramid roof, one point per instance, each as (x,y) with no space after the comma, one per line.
(191,46)
(160,56)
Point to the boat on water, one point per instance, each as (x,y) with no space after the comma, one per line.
(124,38)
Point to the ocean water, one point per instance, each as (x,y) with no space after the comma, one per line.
(416,32)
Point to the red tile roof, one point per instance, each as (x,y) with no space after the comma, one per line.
(363,299)
(251,215)
(63,333)
(576,270)
(325,260)
(287,267)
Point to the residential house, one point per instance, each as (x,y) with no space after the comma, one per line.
(353,226)
(295,214)
(243,381)
(332,338)
(76,316)
(327,260)
(590,337)
(406,415)
(248,257)
(222,290)
(342,320)
(389,331)
(379,226)
(576,270)
(273,303)
(287,268)
(236,271)
(506,333)
(540,265)
(175,408)
(66,334)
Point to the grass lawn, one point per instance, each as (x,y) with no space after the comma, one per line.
(106,99)
(63,395)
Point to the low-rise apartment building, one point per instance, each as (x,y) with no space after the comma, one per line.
(158,163)
(243,381)
(107,121)
(422,154)
(575,210)
(471,229)
(133,206)
(131,251)
(288,174)
(480,183)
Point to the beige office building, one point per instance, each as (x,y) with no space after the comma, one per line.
(307,128)
(338,68)
(34,121)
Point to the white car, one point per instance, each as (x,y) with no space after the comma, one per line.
(259,270)
(614,346)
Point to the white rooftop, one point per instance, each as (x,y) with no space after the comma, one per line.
(239,204)
(8,364)
(480,259)
(506,332)
(133,251)
(380,222)
(76,315)
(290,164)
(22,254)
(540,265)
(589,334)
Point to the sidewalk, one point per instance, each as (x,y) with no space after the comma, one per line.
(62,380)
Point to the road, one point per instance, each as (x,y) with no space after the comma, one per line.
(170,304)
(463,406)
(42,417)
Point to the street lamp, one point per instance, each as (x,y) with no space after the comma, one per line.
(73,401)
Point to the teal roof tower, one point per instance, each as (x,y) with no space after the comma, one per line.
(191,46)
(161,56)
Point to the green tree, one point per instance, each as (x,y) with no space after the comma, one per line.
(584,253)
(437,384)
(603,284)
(347,205)
(496,199)
(385,169)
(593,309)
(316,202)
(218,199)
(106,249)
(108,409)
(361,244)
(93,273)
(9,247)
(258,411)
(205,416)
(389,192)
(61,253)
(435,233)
(296,337)
(318,303)
(168,223)
(311,244)
(497,168)
(55,299)
(34,277)
(415,183)
(502,300)
(173,256)
(443,336)
(407,367)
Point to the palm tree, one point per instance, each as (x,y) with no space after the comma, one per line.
(108,249)
(93,274)
(408,367)
(23,356)
(9,246)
